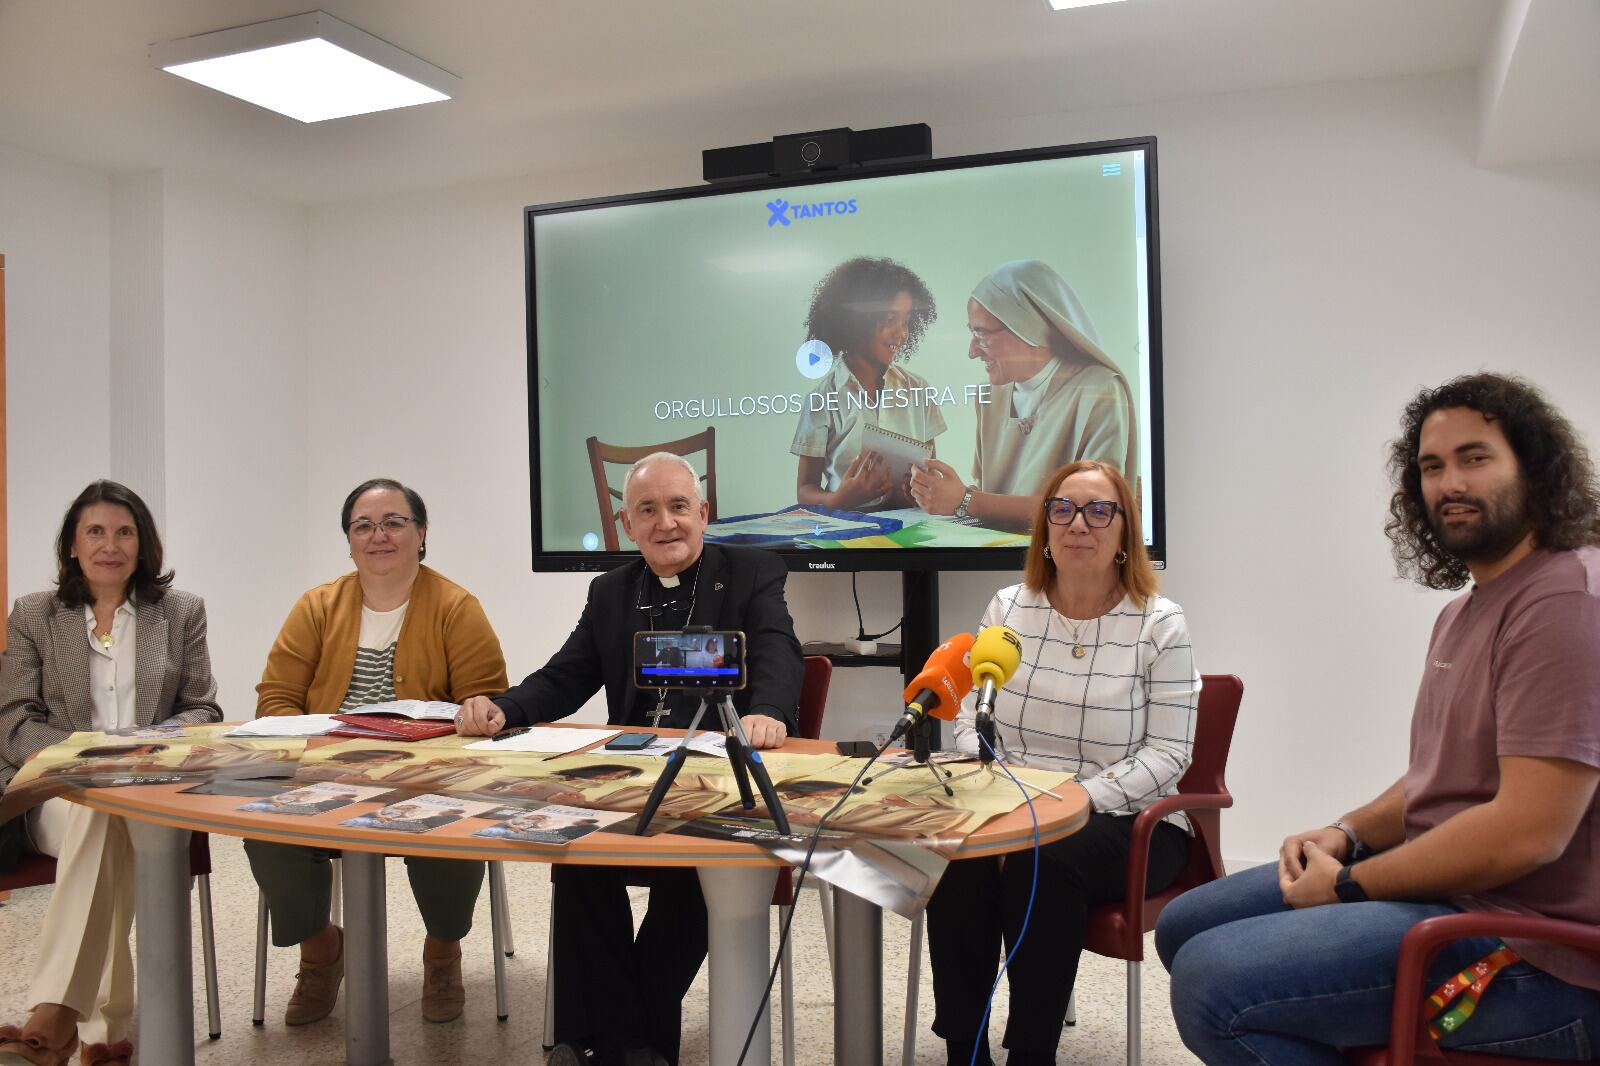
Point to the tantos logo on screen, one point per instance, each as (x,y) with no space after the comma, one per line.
(781,212)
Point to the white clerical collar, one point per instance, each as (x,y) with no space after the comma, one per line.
(1025,395)
(676,579)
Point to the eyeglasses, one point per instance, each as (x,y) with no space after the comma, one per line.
(1097,514)
(394,525)
(983,337)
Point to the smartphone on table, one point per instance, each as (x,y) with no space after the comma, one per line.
(630,741)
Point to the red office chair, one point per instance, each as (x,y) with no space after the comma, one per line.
(813,701)
(36,870)
(1408,1035)
(1117,930)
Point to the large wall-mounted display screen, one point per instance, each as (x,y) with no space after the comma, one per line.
(850,353)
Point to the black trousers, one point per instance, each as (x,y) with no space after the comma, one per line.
(979,902)
(616,990)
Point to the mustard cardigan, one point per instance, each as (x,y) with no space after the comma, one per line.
(447,650)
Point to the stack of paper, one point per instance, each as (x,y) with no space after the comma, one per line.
(286,725)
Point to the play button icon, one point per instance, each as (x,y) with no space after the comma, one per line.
(814,359)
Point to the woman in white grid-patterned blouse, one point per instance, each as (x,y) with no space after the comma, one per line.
(1106,690)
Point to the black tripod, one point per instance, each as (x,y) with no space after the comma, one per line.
(745,759)
(921,755)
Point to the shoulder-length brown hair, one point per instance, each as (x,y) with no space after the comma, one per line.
(1138,577)
(149,582)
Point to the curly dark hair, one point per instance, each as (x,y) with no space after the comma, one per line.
(1562,499)
(149,582)
(853,298)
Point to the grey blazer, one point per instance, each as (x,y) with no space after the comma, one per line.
(44,676)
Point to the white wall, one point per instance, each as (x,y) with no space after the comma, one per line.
(156,335)
(55,235)
(418,372)
(1325,250)
(235,431)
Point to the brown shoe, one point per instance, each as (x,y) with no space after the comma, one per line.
(30,1049)
(442,995)
(118,1054)
(316,989)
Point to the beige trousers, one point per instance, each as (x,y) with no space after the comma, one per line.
(85,961)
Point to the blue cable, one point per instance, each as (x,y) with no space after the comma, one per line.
(982,1036)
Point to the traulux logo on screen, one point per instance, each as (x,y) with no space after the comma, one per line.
(781,212)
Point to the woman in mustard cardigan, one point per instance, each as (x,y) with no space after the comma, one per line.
(394,629)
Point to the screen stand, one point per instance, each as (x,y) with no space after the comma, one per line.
(919,610)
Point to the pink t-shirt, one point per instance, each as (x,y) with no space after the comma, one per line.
(1514,669)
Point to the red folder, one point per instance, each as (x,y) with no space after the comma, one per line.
(384,727)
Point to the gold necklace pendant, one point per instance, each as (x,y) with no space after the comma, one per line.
(1077,651)
(105,639)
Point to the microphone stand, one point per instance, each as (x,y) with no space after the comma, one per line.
(986,748)
(746,762)
(921,754)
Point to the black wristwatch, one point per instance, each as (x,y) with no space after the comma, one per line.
(1347,888)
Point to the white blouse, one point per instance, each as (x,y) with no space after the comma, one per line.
(113,694)
(1121,717)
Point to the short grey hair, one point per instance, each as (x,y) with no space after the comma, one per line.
(662,457)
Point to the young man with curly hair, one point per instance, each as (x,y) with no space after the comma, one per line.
(1498,810)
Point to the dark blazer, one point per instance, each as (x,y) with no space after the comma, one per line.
(740,588)
(44,677)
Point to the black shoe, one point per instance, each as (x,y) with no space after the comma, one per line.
(567,1054)
(959,1053)
(643,1056)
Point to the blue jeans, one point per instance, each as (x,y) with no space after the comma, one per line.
(1259,984)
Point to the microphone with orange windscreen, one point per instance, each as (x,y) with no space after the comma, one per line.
(940,687)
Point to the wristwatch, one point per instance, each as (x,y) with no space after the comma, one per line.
(966,499)
(1347,888)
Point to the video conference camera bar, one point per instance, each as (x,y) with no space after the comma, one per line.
(802,153)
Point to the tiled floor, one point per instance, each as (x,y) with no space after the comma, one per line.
(477,1037)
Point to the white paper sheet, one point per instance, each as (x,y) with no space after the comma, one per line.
(286,725)
(550,740)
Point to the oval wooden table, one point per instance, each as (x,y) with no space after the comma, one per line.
(737,879)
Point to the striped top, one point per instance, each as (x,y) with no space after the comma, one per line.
(1121,717)
(372,679)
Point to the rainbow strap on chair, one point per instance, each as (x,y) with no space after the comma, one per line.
(1463,991)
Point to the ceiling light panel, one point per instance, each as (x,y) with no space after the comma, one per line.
(311,67)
